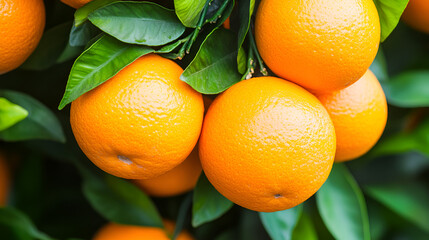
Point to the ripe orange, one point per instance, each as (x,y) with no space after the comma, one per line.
(359,113)
(76,3)
(21,27)
(417,15)
(4,181)
(267,144)
(179,180)
(322,45)
(142,122)
(113,231)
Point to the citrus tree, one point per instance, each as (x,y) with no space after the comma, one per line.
(214,119)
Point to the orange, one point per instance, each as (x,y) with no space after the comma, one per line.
(322,45)
(267,144)
(4,181)
(359,114)
(76,3)
(180,179)
(417,15)
(113,231)
(227,24)
(142,122)
(21,28)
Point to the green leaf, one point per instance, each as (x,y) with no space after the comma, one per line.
(189,11)
(408,89)
(183,215)
(389,12)
(142,23)
(81,35)
(81,15)
(120,201)
(342,206)
(304,229)
(40,123)
(241,61)
(407,200)
(214,68)
(10,114)
(379,66)
(209,204)
(51,46)
(106,57)
(281,224)
(13,218)
(245,14)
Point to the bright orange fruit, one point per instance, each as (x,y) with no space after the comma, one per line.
(267,144)
(417,15)
(359,113)
(76,3)
(142,122)
(322,45)
(21,28)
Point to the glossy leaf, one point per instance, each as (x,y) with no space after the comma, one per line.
(280,225)
(106,57)
(304,229)
(50,48)
(389,12)
(408,89)
(189,11)
(40,123)
(10,114)
(120,201)
(208,204)
(407,200)
(143,23)
(13,218)
(342,206)
(214,68)
(81,35)
(81,15)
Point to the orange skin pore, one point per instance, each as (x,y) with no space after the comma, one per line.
(21,28)
(113,231)
(322,45)
(359,113)
(142,122)
(417,15)
(267,144)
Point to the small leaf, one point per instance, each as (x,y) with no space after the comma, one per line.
(120,201)
(40,123)
(281,224)
(106,57)
(379,66)
(143,23)
(408,89)
(10,114)
(214,68)
(51,46)
(407,200)
(81,15)
(189,11)
(342,206)
(13,218)
(81,35)
(209,204)
(304,229)
(389,12)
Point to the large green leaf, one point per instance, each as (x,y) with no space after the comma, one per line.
(40,123)
(342,206)
(214,68)
(17,221)
(280,225)
(81,15)
(408,89)
(81,35)
(389,12)
(208,204)
(120,201)
(106,57)
(407,200)
(304,229)
(189,11)
(10,114)
(143,23)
